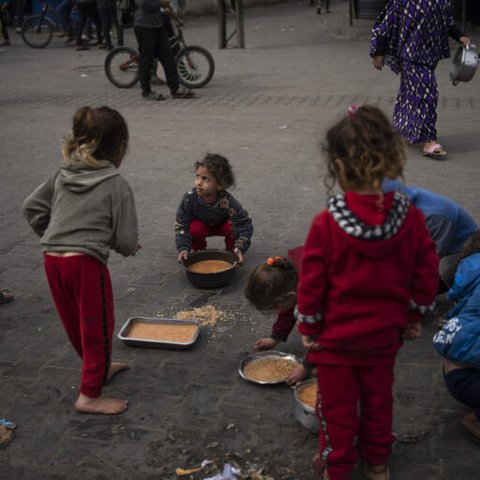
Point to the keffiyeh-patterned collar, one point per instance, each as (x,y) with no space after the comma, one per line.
(353,226)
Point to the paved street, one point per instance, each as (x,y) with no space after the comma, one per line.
(266,110)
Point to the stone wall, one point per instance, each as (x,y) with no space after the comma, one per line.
(209,7)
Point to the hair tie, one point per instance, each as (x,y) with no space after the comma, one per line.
(352,109)
(272,260)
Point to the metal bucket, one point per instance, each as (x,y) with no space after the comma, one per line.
(304,413)
(464,64)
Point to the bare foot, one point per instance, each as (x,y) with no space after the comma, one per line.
(101,405)
(116,367)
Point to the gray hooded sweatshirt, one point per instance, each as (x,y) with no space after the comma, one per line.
(84,209)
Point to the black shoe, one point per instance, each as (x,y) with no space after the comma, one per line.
(155,96)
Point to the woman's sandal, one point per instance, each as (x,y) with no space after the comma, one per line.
(6,296)
(183,93)
(434,151)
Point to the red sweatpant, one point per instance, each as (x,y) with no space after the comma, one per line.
(200,231)
(355,408)
(82,291)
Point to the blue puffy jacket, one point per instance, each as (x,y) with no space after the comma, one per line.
(459,339)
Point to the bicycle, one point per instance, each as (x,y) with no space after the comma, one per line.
(37,30)
(195,65)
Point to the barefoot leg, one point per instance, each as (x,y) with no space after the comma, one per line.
(116,367)
(100,405)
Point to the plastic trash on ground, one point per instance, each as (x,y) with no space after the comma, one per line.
(229,473)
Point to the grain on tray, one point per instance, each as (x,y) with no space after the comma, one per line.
(308,394)
(269,369)
(210,266)
(162,332)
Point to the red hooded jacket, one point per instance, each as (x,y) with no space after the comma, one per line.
(365,273)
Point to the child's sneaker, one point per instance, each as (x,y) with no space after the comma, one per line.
(370,472)
(472,425)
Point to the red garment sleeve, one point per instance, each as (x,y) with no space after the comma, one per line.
(283,325)
(425,275)
(313,277)
(286,320)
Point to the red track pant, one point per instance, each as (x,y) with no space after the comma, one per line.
(355,408)
(82,291)
(200,231)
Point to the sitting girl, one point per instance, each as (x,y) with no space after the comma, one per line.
(271,287)
(209,210)
(459,339)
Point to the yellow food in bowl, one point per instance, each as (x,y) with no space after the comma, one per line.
(308,394)
(210,266)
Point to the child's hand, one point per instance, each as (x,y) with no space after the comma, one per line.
(296,376)
(379,62)
(265,344)
(412,331)
(183,255)
(309,342)
(238,253)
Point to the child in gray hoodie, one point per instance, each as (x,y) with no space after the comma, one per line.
(81,212)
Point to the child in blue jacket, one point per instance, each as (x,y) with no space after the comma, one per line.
(459,339)
(448,223)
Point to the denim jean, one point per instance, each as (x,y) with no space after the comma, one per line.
(87,10)
(107,19)
(64,10)
(464,386)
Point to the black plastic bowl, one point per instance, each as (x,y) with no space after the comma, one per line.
(210,280)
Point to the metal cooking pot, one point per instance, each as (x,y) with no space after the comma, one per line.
(464,64)
(215,279)
(304,413)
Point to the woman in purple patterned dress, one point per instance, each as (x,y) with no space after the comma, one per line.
(411,37)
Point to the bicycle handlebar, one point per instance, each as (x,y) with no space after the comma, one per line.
(170,13)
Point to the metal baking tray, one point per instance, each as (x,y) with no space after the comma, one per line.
(149,343)
(268,354)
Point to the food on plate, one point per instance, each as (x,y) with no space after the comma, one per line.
(162,332)
(269,369)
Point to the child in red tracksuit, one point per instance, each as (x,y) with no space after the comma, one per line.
(272,287)
(81,212)
(368,275)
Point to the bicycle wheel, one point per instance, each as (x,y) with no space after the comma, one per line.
(121,67)
(37,31)
(195,66)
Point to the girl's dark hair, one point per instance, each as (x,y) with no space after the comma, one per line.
(471,246)
(270,285)
(97,134)
(368,147)
(219,167)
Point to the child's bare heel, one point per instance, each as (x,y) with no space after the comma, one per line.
(100,405)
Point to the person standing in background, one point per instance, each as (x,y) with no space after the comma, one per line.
(107,15)
(411,37)
(153,43)
(87,9)
(3,24)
